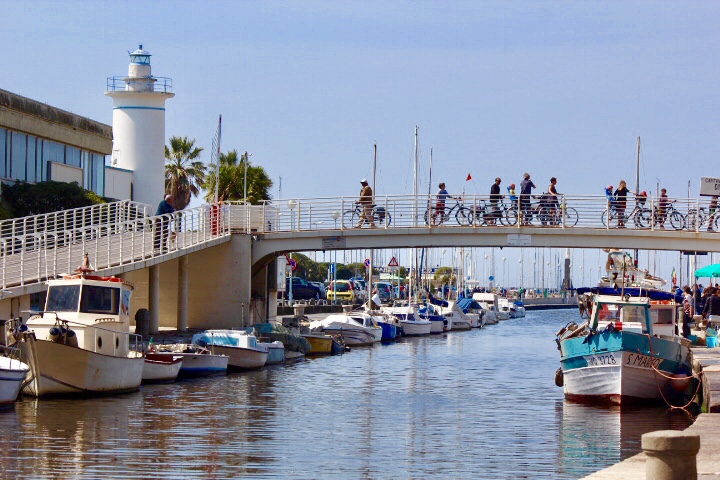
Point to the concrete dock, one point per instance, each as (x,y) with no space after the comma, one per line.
(706,363)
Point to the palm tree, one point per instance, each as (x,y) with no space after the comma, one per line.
(232,181)
(184,173)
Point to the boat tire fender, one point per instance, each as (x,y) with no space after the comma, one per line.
(559,381)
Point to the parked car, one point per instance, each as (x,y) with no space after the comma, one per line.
(360,290)
(384,291)
(301,289)
(321,287)
(341,290)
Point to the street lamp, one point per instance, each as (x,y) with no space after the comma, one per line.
(504,276)
(335,215)
(521,275)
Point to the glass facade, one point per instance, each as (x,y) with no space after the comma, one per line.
(25,157)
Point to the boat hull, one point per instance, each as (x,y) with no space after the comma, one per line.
(415,328)
(319,345)
(461,325)
(160,368)
(200,364)
(241,358)
(276,353)
(620,367)
(437,326)
(58,369)
(352,336)
(389,331)
(12,374)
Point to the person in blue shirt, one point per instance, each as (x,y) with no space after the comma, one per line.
(440,198)
(162,225)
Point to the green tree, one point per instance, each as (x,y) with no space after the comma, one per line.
(24,199)
(184,172)
(232,180)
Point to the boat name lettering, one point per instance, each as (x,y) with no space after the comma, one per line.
(598,360)
(642,361)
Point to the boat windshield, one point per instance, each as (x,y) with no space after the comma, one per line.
(621,313)
(63,298)
(103,300)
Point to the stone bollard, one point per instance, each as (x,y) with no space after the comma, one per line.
(671,455)
(299,310)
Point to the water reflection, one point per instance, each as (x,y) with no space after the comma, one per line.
(477,404)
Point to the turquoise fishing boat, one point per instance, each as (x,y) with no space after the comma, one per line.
(616,357)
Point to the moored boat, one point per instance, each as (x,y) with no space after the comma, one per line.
(81,344)
(241,347)
(161,368)
(355,328)
(12,374)
(295,346)
(411,325)
(276,352)
(617,357)
(196,361)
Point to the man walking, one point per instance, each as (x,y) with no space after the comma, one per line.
(162,224)
(526,187)
(495,198)
(366,205)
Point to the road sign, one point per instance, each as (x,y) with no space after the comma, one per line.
(367,263)
(491,278)
(331,268)
(393,262)
(292,264)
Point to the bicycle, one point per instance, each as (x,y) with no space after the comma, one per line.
(554,214)
(668,212)
(463,215)
(380,216)
(485,213)
(639,214)
(698,218)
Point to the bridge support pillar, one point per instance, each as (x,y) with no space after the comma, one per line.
(182,309)
(154,298)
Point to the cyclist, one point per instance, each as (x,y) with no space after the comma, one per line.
(440,198)
(621,202)
(366,204)
(552,202)
(526,187)
(495,197)
(712,209)
(662,208)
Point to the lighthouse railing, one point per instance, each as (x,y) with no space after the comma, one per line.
(150,84)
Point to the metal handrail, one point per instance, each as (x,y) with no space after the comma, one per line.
(154,84)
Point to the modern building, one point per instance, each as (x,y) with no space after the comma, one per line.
(39,143)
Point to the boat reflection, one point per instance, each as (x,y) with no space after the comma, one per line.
(610,433)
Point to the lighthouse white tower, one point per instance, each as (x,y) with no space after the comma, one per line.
(139,126)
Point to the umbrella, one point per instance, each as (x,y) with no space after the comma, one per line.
(708,272)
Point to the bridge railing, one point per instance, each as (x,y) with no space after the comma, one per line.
(423,211)
(116,241)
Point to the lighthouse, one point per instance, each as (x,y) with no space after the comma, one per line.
(139,126)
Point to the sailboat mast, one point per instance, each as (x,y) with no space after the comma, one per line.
(415,209)
(637,185)
(371,304)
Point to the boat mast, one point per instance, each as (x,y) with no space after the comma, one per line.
(637,185)
(216,152)
(371,304)
(413,258)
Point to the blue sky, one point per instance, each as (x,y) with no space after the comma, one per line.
(497,88)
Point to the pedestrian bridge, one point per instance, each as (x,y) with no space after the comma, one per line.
(473,221)
(121,237)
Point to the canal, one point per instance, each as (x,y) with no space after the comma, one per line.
(476,404)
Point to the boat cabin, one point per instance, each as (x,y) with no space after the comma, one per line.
(628,314)
(95,309)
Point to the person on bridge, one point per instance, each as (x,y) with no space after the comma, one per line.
(526,187)
(439,215)
(620,196)
(662,207)
(495,198)
(713,210)
(162,224)
(366,205)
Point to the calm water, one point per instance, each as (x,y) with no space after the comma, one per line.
(477,404)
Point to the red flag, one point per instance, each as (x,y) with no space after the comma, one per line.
(468,178)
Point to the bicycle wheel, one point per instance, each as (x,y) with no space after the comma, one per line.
(571,217)
(677,220)
(605,215)
(381,217)
(350,218)
(463,216)
(428,216)
(511,216)
(642,218)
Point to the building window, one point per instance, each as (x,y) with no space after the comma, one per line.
(72,157)
(3,153)
(53,152)
(18,156)
(98,162)
(31,160)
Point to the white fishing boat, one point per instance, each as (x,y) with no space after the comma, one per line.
(161,368)
(506,306)
(81,343)
(242,348)
(12,374)
(489,302)
(356,328)
(276,352)
(473,311)
(519,308)
(456,317)
(411,325)
(196,361)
